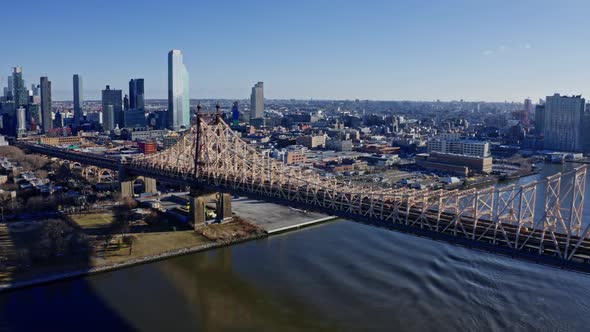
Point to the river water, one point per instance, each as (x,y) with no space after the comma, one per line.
(340,276)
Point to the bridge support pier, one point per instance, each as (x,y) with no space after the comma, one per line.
(126,188)
(198,204)
(150,185)
(127,185)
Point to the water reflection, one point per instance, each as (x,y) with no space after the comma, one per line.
(339,276)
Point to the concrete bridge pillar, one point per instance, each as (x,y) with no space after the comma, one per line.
(127,185)
(126,188)
(198,210)
(224,212)
(198,205)
(150,185)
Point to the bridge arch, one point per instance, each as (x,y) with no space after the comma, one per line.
(139,184)
(206,207)
(75,165)
(128,186)
(105,174)
(89,172)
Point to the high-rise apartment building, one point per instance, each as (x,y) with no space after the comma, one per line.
(19,91)
(586,130)
(540,119)
(78,100)
(178,91)
(235,114)
(563,122)
(257,101)
(108,117)
(34,117)
(528,106)
(134,118)
(9,88)
(58,122)
(35,89)
(21,120)
(114,98)
(46,119)
(136,94)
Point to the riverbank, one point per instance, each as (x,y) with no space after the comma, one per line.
(116,266)
(264,219)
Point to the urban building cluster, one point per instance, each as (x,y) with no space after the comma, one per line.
(351,138)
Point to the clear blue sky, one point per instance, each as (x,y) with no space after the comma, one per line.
(322,49)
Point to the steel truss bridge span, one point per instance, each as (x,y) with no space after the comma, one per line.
(527,221)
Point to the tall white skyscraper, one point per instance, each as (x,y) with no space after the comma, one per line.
(257,101)
(21,120)
(178,92)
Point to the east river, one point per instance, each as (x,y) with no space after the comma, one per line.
(338,276)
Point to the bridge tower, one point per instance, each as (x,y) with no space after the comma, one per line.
(199,198)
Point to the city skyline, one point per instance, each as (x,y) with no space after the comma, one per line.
(383,50)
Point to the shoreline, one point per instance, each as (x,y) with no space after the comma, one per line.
(301,225)
(4,288)
(72,274)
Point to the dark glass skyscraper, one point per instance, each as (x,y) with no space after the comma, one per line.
(78,101)
(235,114)
(20,93)
(136,94)
(46,104)
(115,99)
(8,90)
(34,119)
(134,118)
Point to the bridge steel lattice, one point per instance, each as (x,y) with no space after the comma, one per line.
(502,219)
(540,221)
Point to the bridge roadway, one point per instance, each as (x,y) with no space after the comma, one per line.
(483,234)
(82,158)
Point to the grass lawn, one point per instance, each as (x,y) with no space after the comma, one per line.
(93,220)
(149,240)
(148,244)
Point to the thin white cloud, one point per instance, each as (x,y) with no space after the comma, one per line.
(503,48)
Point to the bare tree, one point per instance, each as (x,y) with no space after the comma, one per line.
(129,203)
(129,240)
(41,173)
(12,152)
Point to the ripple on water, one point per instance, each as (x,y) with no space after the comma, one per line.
(420,284)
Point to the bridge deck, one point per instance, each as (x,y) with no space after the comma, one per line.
(230,165)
